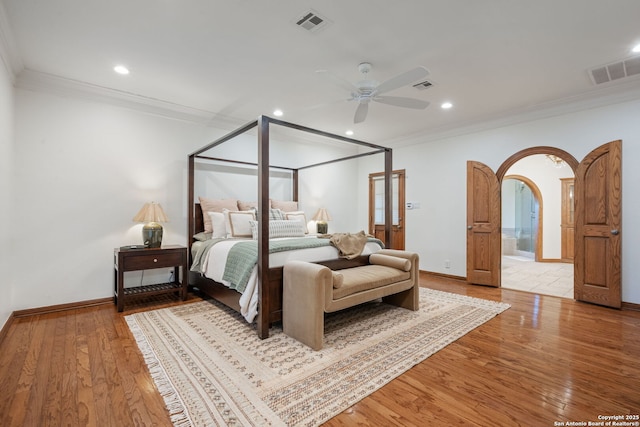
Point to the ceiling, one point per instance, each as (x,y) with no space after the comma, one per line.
(227,62)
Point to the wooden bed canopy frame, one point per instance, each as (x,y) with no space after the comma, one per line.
(269,279)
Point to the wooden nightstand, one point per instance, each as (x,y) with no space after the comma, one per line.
(147,259)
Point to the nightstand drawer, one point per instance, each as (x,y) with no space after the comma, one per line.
(143,262)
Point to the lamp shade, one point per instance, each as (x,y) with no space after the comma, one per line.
(322,215)
(151,214)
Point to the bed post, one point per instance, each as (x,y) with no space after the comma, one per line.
(388,199)
(294,175)
(264,304)
(190,211)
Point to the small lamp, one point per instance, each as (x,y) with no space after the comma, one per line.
(151,214)
(321,217)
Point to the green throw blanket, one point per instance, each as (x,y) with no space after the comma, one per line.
(243,257)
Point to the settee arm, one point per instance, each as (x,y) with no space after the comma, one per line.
(408,300)
(303,301)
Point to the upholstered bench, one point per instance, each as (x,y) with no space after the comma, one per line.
(310,290)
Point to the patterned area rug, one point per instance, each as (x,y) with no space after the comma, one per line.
(212,369)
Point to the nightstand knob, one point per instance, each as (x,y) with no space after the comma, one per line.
(155,260)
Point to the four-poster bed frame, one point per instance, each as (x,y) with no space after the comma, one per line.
(270,279)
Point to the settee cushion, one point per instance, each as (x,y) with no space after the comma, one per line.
(368,277)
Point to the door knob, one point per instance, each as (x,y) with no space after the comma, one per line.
(469,227)
(615,232)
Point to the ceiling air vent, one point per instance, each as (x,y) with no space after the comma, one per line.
(615,71)
(312,21)
(423,85)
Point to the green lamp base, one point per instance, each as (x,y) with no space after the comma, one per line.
(152,235)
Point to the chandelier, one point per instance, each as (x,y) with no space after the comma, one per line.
(556,161)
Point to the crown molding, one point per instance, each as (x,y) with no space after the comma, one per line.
(8,50)
(62,86)
(600,97)
(49,83)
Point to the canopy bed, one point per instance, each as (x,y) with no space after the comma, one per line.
(268,294)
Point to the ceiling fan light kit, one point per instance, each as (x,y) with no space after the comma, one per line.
(367,90)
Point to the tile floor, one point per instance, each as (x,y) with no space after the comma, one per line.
(546,278)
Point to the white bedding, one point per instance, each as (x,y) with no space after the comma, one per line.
(216,259)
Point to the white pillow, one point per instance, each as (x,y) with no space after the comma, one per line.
(218,225)
(280,228)
(237,223)
(297,216)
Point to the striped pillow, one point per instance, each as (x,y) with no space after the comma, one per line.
(281,228)
(275,214)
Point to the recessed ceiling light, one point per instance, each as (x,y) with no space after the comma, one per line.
(121,69)
(636,49)
(349,132)
(277,113)
(446,105)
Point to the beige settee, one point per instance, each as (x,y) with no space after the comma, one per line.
(310,290)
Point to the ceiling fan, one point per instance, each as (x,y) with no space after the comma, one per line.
(367,90)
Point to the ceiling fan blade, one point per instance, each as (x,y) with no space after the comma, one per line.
(346,85)
(400,101)
(402,79)
(361,112)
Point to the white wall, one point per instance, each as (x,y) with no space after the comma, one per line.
(334,187)
(436,177)
(83,170)
(6,193)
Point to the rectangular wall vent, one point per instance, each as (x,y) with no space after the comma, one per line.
(312,21)
(615,71)
(423,85)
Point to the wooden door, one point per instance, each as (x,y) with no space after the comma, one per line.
(483,225)
(598,222)
(376,208)
(567,219)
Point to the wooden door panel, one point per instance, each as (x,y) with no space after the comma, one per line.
(397,236)
(595,248)
(568,238)
(595,180)
(567,221)
(482,252)
(483,225)
(597,263)
(397,230)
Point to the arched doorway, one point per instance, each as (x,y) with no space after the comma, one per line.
(598,221)
(531,223)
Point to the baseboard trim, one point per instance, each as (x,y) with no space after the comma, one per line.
(630,306)
(551,260)
(446,276)
(62,307)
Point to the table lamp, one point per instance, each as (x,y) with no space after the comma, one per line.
(321,217)
(151,214)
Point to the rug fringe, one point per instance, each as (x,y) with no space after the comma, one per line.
(177,411)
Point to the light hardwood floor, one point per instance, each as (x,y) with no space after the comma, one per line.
(545,360)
